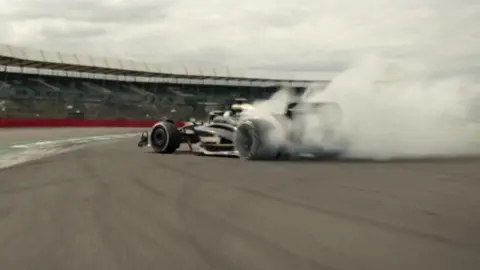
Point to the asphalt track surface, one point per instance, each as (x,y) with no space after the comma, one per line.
(115,206)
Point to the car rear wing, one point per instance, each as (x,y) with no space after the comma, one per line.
(327,111)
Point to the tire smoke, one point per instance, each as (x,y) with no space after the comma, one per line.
(410,117)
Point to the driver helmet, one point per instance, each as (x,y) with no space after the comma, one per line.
(213,114)
(236,109)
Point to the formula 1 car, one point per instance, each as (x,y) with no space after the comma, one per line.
(213,137)
(240,132)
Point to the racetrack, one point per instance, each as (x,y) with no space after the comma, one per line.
(18,135)
(115,206)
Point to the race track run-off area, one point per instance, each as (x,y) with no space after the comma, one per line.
(115,206)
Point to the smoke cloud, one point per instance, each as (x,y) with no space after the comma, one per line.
(409,115)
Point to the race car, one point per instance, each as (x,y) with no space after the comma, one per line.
(213,137)
(239,132)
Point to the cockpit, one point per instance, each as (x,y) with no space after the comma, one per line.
(237,109)
(234,112)
(213,114)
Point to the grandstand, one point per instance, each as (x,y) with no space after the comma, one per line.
(38,83)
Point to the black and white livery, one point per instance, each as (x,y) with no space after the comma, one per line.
(241,132)
(213,137)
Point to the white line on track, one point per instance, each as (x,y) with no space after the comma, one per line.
(21,153)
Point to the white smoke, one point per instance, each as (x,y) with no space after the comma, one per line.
(410,115)
(410,93)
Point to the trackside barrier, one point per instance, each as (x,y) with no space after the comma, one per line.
(57,123)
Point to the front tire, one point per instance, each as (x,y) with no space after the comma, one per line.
(165,138)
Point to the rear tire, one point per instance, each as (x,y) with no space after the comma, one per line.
(165,138)
(252,142)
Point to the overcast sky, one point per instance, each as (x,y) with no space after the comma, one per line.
(279,34)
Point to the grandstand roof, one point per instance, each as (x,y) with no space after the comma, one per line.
(42,59)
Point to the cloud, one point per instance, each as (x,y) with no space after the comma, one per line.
(276,34)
